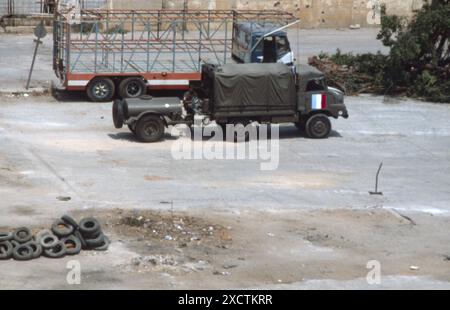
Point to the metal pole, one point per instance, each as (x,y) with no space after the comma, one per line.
(148,43)
(200,46)
(158,25)
(174,46)
(376,192)
(96,47)
(209,24)
(38,41)
(39,32)
(122,49)
(226,42)
(132,25)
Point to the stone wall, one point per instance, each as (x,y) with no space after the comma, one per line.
(313,13)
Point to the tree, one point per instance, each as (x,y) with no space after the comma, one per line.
(419,57)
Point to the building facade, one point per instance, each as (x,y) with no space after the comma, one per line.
(313,13)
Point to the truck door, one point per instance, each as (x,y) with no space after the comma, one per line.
(315,97)
(284,53)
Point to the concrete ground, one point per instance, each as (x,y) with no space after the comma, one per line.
(16,53)
(197,224)
(310,223)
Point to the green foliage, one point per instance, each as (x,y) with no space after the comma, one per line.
(418,63)
(419,57)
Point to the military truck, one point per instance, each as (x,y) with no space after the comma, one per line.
(240,94)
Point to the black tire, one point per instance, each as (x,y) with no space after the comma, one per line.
(89,227)
(118,113)
(6,250)
(318,126)
(37,248)
(14,243)
(150,128)
(6,236)
(93,235)
(56,251)
(101,89)
(81,238)
(48,241)
(41,234)
(69,220)
(133,87)
(62,229)
(23,252)
(105,245)
(95,243)
(22,235)
(72,245)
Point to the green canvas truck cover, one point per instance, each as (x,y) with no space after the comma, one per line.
(253,87)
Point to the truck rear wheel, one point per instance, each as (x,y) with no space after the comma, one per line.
(133,87)
(318,126)
(101,89)
(150,129)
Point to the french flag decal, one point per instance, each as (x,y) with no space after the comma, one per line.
(319,102)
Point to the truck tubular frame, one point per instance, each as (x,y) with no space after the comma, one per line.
(165,47)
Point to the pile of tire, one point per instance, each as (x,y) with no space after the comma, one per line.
(66,237)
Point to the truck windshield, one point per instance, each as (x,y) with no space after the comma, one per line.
(277,46)
(282,46)
(315,85)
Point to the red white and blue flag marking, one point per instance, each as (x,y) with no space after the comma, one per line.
(319,102)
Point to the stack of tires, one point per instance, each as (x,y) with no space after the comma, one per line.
(66,237)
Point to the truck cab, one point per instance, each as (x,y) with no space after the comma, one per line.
(315,95)
(251,45)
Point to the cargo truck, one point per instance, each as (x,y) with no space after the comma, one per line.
(124,53)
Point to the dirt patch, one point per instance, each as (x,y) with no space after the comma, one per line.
(24,210)
(156,178)
(216,250)
(166,241)
(9,176)
(163,226)
(260,247)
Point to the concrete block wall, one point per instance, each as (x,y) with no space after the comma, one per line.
(313,13)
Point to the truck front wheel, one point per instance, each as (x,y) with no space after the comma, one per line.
(150,129)
(318,126)
(101,89)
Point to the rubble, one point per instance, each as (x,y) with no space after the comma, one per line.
(346,78)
